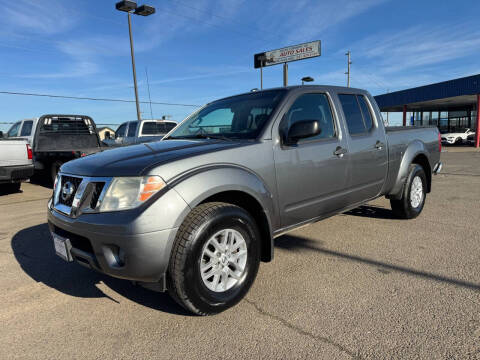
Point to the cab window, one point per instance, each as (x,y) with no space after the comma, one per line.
(13,132)
(312,107)
(121,131)
(26,128)
(357,113)
(132,129)
(149,128)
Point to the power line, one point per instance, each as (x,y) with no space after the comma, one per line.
(94,99)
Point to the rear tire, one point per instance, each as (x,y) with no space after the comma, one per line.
(11,188)
(414,193)
(215,258)
(54,168)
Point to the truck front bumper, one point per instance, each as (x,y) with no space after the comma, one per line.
(141,257)
(15,173)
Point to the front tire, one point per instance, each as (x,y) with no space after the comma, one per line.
(414,193)
(215,258)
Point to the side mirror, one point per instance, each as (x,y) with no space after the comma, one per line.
(303,129)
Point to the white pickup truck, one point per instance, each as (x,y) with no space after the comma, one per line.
(137,132)
(16,164)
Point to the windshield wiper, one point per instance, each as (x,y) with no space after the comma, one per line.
(202,136)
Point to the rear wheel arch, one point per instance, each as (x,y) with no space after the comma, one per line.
(422,160)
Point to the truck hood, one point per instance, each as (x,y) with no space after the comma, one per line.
(136,160)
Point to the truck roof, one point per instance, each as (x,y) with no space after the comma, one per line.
(302,87)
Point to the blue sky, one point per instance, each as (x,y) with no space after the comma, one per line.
(197,51)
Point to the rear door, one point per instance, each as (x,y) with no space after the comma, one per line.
(367,146)
(311,176)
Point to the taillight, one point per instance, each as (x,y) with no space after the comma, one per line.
(29,152)
(439,142)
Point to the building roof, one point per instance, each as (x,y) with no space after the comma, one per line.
(447,95)
(105,128)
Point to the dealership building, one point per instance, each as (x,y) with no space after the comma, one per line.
(451,105)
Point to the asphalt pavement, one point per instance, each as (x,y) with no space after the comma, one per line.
(358,285)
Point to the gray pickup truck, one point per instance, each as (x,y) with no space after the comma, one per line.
(195,213)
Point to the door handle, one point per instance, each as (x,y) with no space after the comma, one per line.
(339,151)
(379,145)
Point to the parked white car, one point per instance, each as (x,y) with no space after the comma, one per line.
(457,137)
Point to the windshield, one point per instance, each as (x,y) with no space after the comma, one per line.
(238,117)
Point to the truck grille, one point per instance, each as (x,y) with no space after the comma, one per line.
(75,181)
(75,195)
(97,190)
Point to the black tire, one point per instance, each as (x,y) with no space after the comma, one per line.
(54,168)
(403,208)
(184,278)
(10,188)
(458,141)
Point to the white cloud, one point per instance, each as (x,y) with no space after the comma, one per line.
(76,70)
(304,20)
(420,46)
(34,16)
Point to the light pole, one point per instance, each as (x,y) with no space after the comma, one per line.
(349,62)
(306,79)
(144,10)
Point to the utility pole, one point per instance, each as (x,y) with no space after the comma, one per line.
(285,74)
(348,68)
(149,98)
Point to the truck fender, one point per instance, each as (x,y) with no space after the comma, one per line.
(414,149)
(233,184)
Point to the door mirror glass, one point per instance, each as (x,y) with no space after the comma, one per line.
(303,129)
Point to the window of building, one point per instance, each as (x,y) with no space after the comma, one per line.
(312,107)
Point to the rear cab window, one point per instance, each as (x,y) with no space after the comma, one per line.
(27,128)
(358,115)
(149,128)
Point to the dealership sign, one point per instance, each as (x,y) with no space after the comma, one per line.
(287,54)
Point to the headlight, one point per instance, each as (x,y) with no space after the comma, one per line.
(129,192)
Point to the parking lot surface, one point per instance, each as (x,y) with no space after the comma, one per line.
(359,285)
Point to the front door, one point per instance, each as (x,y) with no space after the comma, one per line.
(311,175)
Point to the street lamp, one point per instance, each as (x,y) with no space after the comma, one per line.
(143,10)
(306,79)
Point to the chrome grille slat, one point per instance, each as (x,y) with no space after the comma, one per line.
(86,197)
